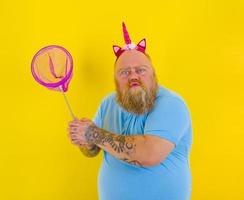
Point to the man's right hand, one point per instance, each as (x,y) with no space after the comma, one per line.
(89,150)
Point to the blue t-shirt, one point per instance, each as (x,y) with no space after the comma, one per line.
(171,179)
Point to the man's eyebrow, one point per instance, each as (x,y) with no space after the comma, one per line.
(142,66)
(126,68)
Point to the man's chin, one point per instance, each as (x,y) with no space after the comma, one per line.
(135,87)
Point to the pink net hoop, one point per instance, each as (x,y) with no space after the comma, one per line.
(52,67)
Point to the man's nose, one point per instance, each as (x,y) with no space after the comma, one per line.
(133,75)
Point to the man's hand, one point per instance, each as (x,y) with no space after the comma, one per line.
(77,129)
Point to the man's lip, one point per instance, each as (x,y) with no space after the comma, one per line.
(134,84)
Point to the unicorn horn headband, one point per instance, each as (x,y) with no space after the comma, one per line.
(141,46)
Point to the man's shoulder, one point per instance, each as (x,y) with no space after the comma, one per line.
(164,92)
(168,96)
(108,99)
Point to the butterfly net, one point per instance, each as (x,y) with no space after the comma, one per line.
(52,67)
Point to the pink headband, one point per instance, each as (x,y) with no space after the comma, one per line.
(141,46)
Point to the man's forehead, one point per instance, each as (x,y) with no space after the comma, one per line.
(132,59)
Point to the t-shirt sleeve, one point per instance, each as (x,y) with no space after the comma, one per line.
(169,119)
(97,119)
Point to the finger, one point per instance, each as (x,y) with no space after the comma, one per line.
(70,131)
(87,122)
(73,124)
(75,141)
(84,119)
(84,144)
(78,137)
(77,128)
(73,129)
(73,136)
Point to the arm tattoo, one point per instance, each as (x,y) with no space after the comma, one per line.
(119,143)
(90,152)
(133,162)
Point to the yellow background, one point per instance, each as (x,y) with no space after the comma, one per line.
(197,48)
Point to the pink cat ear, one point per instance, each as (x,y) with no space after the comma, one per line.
(141,46)
(117,50)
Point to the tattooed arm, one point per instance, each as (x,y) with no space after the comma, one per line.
(90,151)
(142,150)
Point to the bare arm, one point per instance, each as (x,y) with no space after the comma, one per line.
(142,150)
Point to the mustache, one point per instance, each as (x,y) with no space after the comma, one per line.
(137,82)
(134,81)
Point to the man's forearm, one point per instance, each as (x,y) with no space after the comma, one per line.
(131,149)
(90,152)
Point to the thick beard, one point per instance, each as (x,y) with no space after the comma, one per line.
(137,101)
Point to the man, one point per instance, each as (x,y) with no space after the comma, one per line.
(144,131)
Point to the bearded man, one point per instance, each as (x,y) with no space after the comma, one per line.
(144,131)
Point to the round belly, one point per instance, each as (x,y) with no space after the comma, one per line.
(122,181)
